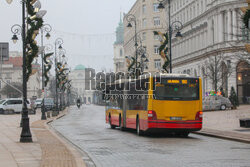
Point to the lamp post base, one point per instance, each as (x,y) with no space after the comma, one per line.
(26,136)
(21,123)
(43,117)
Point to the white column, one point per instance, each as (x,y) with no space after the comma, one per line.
(216,29)
(210,34)
(220,27)
(234,25)
(229,26)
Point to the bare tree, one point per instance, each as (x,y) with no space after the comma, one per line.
(216,70)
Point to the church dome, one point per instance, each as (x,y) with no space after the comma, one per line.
(80,67)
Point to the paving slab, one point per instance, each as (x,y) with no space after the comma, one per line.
(225,124)
(46,150)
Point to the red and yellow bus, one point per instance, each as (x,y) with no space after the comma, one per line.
(164,103)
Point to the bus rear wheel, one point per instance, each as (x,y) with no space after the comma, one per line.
(111,126)
(120,123)
(138,131)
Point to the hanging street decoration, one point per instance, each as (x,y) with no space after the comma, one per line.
(131,63)
(47,67)
(35,22)
(62,77)
(163,49)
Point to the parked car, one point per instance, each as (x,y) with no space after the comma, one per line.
(49,103)
(216,103)
(38,103)
(2,101)
(15,104)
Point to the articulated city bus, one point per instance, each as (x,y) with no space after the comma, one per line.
(164,103)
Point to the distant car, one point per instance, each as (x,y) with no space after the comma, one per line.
(49,103)
(38,103)
(15,104)
(216,103)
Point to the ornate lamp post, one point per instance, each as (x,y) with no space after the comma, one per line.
(45,28)
(62,60)
(35,18)
(58,45)
(131,18)
(178,26)
(17,29)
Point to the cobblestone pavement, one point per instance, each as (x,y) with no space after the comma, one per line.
(54,152)
(113,148)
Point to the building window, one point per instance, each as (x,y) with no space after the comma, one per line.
(156,7)
(157,64)
(157,21)
(121,52)
(156,49)
(144,36)
(144,22)
(144,9)
(156,37)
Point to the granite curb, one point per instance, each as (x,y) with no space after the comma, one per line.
(224,135)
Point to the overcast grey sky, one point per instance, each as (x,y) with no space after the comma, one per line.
(86,26)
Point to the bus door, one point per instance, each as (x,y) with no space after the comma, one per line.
(124,113)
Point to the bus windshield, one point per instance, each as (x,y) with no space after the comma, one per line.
(177,89)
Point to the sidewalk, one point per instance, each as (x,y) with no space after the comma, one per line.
(225,124)
(47,149)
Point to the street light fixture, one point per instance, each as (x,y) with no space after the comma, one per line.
(47,36)
(14,38)
(178,35)
(16,30)
(129,25)
(60,47)
(45,28)
(161,6)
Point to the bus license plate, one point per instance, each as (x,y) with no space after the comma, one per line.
(176,118)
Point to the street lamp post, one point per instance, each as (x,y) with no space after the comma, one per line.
(45,28)
(131,18)
(25,134)
(59,41)
(171,28)
(61,58)
(144,59)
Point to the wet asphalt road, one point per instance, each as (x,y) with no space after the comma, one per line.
(86,128)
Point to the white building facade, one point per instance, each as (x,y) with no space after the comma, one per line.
(148,19)
(211,28)
(78,82)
